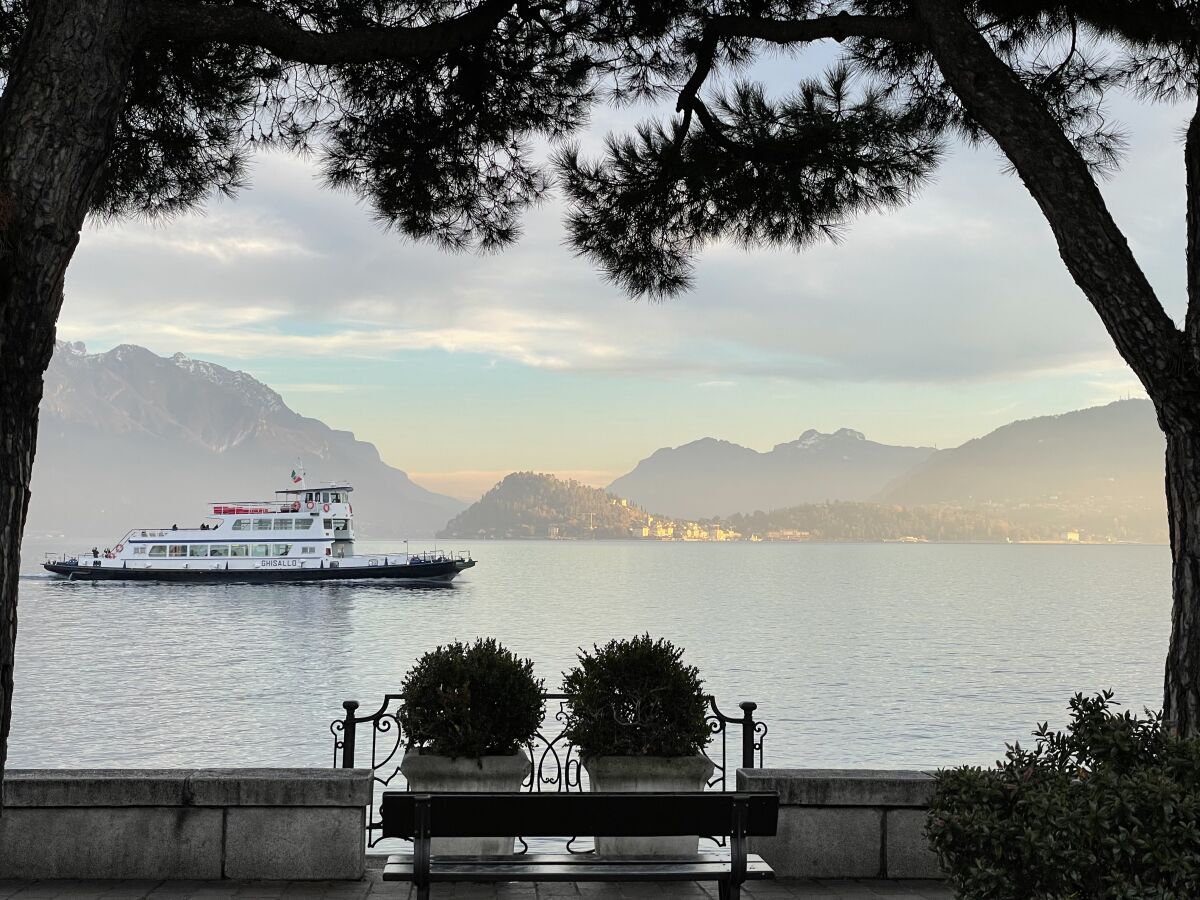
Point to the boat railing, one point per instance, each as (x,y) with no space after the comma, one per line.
(436,556)
(254,507)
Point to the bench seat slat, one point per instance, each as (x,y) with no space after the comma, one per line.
(568,867)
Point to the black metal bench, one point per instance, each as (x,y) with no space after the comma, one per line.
(420,817)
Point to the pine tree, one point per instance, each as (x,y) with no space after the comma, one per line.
(1029,76)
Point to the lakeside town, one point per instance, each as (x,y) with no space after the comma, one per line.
(527,505)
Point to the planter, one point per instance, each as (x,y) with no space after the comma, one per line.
(648,773)
(431,772)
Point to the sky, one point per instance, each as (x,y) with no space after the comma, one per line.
(928,325)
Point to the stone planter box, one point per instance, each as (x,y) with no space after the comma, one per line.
(648,773)
(431,772)
(846,823)
(184,823)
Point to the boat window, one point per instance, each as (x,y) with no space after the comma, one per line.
(324,496)
(335,497)
(241,525)
(339,524)
(260,549)
(139,551)
(198,550)
(303,524)
(239,549)
(262,524)
(158,550)
(308,498)
(280,549)
(308,549)
(283,524)
(328,524)
(218,550)
(179,550)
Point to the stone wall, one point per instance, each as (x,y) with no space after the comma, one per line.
(184,823)
(846,823)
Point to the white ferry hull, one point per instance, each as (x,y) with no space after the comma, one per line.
(442,571)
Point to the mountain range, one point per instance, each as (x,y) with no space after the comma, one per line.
(710,477)
(1107,456)
(131,439)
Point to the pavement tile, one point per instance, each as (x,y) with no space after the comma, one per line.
(373,887)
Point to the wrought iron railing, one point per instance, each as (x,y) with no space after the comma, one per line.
(556,763)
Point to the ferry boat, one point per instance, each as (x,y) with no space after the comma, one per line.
(304,534)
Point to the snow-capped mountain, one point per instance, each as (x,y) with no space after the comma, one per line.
(131,439)
(710,477)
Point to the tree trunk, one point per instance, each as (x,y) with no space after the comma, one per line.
(1181,698)
(63,98)
(1103,266)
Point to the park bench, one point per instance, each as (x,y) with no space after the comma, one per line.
(419,817)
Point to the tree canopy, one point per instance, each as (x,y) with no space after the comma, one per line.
(432,113)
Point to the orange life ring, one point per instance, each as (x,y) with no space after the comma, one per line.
(295,506)
(310,504)
(118,548)
(326,507)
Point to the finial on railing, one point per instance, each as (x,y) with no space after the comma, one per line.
(348,734)
(748,708)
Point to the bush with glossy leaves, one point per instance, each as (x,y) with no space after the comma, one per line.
(1108,810)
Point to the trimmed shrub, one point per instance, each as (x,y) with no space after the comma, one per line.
(1109,810)
(470,701)
(635,698)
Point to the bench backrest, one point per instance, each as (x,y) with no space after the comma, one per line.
(609,814)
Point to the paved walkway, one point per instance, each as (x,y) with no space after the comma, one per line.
(374,888)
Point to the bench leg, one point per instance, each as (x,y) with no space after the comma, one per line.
(422,892)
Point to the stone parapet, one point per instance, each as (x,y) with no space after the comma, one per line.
(293,824)
(846,823)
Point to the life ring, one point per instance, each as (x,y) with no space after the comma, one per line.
(326,507)
(310,504)
(295,506)
(118,548)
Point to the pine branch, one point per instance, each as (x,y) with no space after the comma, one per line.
(191,21)
(897,29)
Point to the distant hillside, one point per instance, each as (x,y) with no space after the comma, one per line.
(129,438)
(1106,456)
(526,504)
(709,477)
(888,522)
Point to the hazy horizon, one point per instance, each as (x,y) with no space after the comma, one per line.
(929,325)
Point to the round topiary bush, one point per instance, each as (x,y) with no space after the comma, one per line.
(635,698)
(470,701)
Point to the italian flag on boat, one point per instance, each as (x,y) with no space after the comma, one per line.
(296,478)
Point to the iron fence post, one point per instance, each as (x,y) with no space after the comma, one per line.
(748,709)
(348,734)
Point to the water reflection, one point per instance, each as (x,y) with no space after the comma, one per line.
(858,655)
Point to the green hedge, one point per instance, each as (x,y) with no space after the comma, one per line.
(1108,810)
(636,697)
(470,700)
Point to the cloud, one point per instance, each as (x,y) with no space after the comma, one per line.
(963,285)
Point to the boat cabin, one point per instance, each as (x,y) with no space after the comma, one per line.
(304,522)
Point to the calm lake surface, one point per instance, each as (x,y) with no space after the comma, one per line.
(881,655)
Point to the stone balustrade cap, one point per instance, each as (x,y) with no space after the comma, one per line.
(186,787)
(842,787)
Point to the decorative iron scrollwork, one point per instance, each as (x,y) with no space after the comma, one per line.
(555,761)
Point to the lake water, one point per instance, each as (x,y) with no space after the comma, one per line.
(880,655)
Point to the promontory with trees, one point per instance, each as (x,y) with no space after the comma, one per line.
(530,505)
